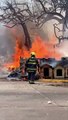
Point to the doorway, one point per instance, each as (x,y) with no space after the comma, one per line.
(59,72)
(46,72)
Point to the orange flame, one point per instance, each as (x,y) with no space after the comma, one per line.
(41,48)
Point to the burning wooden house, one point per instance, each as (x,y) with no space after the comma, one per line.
(52,68)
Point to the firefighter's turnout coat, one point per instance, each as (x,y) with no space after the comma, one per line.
(31,64)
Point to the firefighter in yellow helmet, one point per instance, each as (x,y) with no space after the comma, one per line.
(31,67)
(33,54)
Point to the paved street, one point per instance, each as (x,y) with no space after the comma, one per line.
(22,101)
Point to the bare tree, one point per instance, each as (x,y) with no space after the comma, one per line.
(59,33)
(52,9)
(14,13)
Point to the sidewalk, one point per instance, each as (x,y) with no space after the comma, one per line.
(52,82)
(55,82)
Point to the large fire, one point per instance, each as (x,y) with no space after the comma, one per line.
(41,48)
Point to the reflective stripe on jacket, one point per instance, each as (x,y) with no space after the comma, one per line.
(31,64)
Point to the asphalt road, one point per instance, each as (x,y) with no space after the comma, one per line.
(23,101)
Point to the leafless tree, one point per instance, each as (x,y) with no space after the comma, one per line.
(59,33)
(52,9)
(14,13)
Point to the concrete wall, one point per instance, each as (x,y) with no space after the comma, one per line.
(50,73)
(41,73)
(66,71)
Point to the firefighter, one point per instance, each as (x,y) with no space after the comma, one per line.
(31,67)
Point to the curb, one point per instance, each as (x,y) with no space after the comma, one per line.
(53,80)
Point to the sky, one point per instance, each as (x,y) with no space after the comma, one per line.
(46,29)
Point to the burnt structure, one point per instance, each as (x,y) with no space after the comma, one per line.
(51,68)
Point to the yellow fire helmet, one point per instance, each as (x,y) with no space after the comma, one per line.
(33,53)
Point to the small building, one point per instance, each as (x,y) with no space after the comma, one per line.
(52,68)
